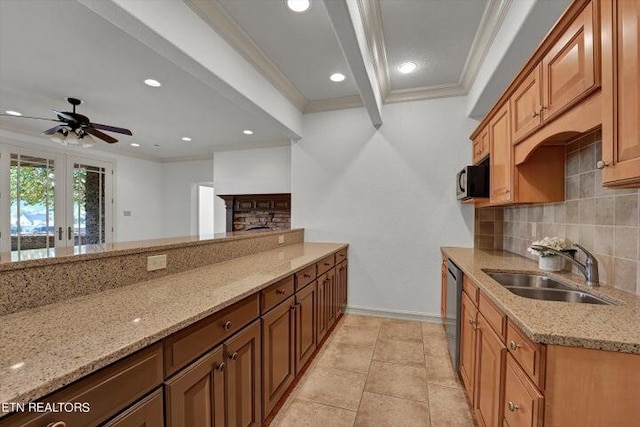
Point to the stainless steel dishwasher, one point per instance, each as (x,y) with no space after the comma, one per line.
(452,319)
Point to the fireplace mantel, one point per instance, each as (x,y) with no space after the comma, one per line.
(260,204)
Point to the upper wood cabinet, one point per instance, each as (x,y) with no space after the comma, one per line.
(481,146)
(569,70)
(526,105)
(621,90)
(501,157)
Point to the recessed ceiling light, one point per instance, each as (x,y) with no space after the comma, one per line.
(13,113)
(407,67)
(152,83)
(247,132)
(17,365)
(135,144)
(299,5)
(186,138)
(337,77)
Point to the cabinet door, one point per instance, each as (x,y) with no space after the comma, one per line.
(146,413)
(322,306)
(333,298)
(523,402)
(195,397)
(278,350)
(305,324)
(484,144)
(443,291)
(244,403)
(569,68)
(490,359)
(468,314)
(501,157)
(621,61)
(526,105)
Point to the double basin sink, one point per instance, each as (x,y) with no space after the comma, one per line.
(543,288)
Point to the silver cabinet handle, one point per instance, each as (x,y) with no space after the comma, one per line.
(233,356)
(221,367)
(226,325)
(57,424)
(512,406)
(601,164)
(513,345)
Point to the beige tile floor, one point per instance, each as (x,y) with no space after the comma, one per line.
(379,372)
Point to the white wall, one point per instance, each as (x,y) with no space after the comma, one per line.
(389,193)
(179,181)
(255,171)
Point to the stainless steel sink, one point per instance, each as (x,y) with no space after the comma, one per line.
(557,295)
(523,280)
(535,286)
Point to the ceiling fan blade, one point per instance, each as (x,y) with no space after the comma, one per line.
(111,128)
(52,130)
(29,117)
(64,115)
(98,134)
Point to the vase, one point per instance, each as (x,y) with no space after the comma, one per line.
(550,263)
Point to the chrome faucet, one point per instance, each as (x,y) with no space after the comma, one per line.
(589,268)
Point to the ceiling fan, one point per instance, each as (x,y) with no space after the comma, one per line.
(76,128)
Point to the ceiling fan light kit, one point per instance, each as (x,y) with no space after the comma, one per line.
(76,128)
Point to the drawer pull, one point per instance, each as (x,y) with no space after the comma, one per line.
(471,320)
(326,264)
(233,356)
(307,275)
(226,325)
(513,345)
(512,406)
(57,424)
(221,367)
(281,291)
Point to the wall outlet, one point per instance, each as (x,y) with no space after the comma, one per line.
(156,262)
(280,240)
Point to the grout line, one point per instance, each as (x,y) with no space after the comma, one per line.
(368,372)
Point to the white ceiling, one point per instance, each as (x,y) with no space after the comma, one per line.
(51,49)
(302,45)
(435,34)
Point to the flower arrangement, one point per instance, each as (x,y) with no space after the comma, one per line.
(555,242)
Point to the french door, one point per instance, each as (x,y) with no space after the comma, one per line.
(53,201)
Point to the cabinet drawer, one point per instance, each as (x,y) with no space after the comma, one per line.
(523,403)
(470,288)
(107,392)
(341,255)
(193,341)
(529,355)
(494,317)
(325,264)
(306,276)
(147,413)
(276,293)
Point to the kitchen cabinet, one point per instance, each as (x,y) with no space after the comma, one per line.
(196,396)
(481,146)
(332,298)
(501,151)
(243,382)
(306,318)
(526,105)
(468,315)
(278,353)
(621,90)
(322,306)
(148,412)
(569,71)
(341,278)
(489,362)
(523,403)
(443,291)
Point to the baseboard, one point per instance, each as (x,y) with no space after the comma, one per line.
(396,314)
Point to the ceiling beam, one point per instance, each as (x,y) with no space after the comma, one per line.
(347,24)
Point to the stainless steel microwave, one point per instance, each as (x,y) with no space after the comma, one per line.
(472,182)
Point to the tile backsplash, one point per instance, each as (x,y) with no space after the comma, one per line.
(603,220)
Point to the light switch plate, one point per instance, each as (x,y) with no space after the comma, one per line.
(156,262)
(280,240)
(533,229)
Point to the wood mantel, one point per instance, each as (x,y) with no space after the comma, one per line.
(235,203)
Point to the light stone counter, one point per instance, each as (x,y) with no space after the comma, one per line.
(46,348)
(604,327)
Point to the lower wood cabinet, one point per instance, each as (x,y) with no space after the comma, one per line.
(278,353)
(332,298)
(306,318)
(341,278)
(468,315)
(220,389)
(523,403)
(148,412)
(489,364)
(322,300)
(196,396)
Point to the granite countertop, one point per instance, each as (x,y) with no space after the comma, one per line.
(605,327)
(46,348)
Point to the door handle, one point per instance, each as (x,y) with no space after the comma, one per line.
(70,233)
(59,233)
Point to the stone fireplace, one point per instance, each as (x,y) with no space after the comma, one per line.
(247,212)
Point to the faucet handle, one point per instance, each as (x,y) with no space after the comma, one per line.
(590,257)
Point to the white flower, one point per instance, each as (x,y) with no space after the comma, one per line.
(555,242)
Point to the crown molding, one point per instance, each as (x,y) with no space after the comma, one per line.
(332,104)
(249,146)
(214,15)
(426,92)
(371,17)
(187,158)
(490,24)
